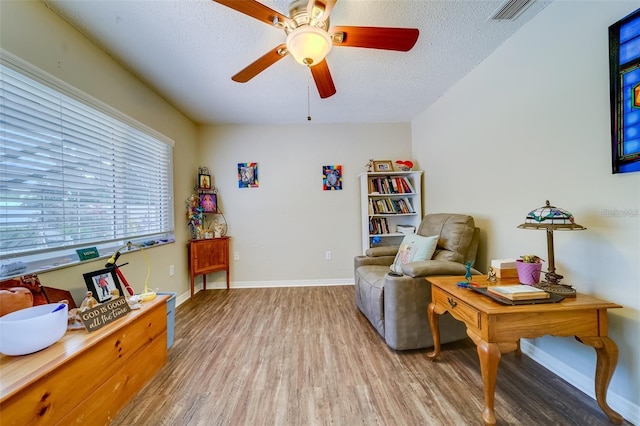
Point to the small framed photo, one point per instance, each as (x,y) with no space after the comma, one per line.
(248,175)
(332,178)
(382,166)
(204,181)
(209,203)
(102,283)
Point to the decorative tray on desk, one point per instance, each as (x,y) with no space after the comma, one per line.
(553,298)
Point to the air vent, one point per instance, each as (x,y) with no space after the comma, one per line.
(510,10)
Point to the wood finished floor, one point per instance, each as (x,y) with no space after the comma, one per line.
(307,356)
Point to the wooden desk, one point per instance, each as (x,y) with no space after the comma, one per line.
(496,328)
(207,256)
(85,377)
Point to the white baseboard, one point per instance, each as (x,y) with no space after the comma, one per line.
(266,284)
(626,408)
(293,283)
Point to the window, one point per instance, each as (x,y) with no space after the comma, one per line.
(624,65)
(74,173)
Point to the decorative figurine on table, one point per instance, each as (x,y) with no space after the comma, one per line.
(73,319)
(88,302)
(467,275)
(369,166)
(491,276)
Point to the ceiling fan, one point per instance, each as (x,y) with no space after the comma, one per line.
(309,38)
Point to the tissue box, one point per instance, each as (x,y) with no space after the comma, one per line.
(406,229)
(504,268)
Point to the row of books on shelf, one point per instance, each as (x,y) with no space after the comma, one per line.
(390,206)
(390,185)
(378,225)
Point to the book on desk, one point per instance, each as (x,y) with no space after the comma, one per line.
(518,292)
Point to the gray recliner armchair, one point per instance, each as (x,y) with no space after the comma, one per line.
(396,306)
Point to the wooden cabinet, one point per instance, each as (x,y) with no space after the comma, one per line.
(85,378)
(389,200)
(206,256)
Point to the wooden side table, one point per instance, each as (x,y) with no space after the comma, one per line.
(496,328)
(206,256)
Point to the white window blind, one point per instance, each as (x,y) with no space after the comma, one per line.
(72,176)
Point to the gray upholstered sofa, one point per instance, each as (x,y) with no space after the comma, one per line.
(397,305)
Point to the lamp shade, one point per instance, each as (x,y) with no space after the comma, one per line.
(550,217)
(309,45)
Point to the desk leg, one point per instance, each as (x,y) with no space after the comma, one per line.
(606,361)
(192,279)
(433,313)
(489,354)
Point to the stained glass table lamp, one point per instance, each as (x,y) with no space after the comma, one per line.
(551,218)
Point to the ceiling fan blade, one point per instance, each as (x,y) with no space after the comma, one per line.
(261,64)
(320,9)
(255,10)
(322,77)
(402,39)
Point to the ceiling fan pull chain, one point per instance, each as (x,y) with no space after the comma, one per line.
(308,100)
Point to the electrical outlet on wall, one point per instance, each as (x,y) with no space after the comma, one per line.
(236,255)
(172,270)
(327,255)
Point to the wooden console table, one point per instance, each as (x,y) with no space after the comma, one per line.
(496,328)
(206,256)
(85,378)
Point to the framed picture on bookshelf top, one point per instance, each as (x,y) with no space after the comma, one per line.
(382,166)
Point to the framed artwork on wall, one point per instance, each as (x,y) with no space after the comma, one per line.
(332,178)
(624,81)
(248,175)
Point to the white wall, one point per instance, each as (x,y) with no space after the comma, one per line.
(531,123)
(283,228)
(32,32)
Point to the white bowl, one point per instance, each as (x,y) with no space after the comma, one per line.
(32,329)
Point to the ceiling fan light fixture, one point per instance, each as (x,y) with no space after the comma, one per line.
(308,44)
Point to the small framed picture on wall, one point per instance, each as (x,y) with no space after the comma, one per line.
(332,178)
(248,175)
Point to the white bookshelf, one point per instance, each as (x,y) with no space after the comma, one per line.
(387,202)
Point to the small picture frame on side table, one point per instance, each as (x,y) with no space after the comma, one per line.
(382,166)
(102,282)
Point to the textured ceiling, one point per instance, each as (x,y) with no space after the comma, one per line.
(187,50)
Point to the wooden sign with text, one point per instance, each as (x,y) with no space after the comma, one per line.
(105,313)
